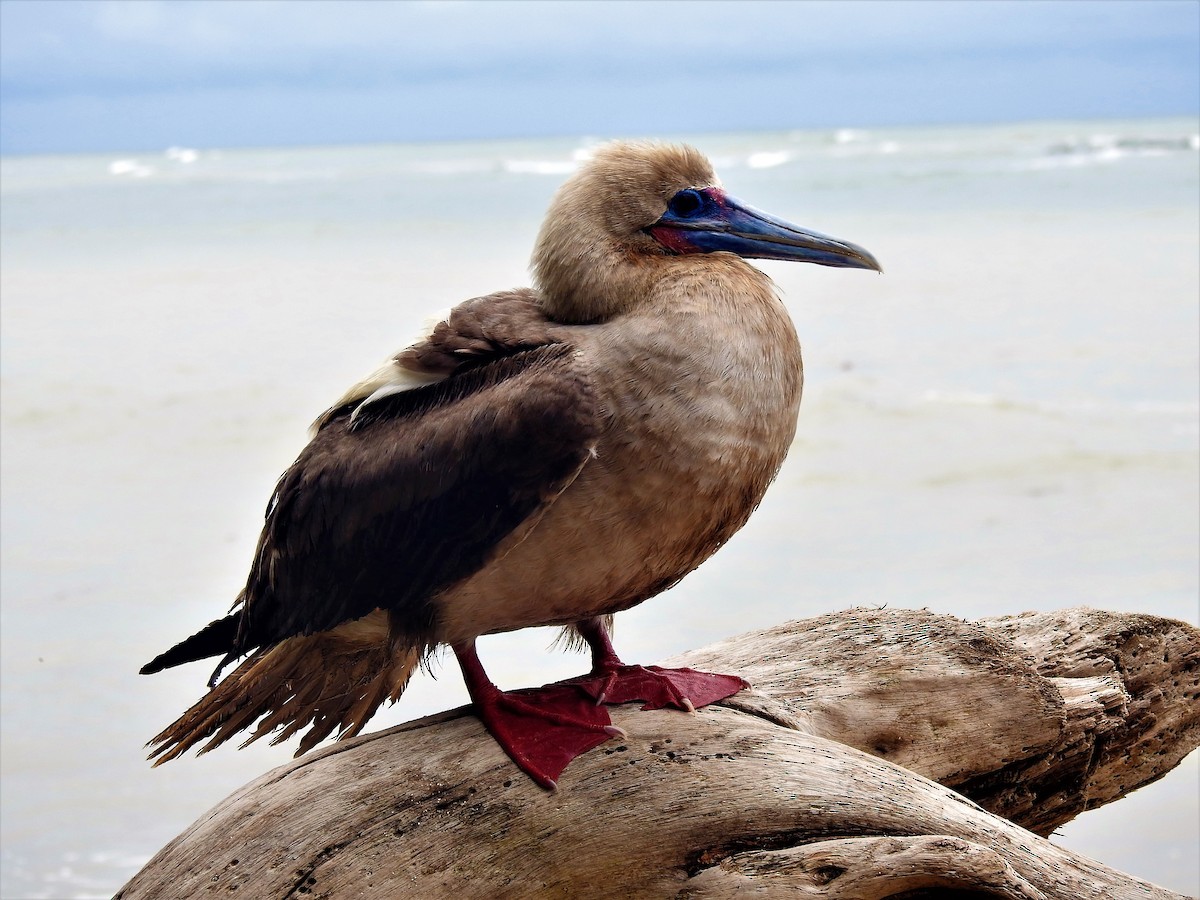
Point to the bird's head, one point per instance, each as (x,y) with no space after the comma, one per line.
(634,208)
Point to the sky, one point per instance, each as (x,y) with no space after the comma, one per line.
(111,75)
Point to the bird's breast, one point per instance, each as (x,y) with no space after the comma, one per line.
(700,402)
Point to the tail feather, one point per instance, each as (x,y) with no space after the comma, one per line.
(325,682)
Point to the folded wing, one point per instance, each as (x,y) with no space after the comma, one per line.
(396,499)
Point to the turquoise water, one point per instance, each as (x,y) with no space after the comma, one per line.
(1006,420)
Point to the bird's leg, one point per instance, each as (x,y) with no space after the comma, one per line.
(605,662)
(612,681)
(541,729)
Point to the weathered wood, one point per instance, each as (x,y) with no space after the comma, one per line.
(766,794)
(1131,684)
(1036,717)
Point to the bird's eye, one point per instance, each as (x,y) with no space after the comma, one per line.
(686,204)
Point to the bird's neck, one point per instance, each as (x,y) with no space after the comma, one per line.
(592,282)
(714,323)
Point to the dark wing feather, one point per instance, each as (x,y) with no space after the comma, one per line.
(214,639)
(414,495)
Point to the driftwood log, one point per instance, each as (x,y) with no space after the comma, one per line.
(881,753)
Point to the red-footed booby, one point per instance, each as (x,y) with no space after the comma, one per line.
(545,456)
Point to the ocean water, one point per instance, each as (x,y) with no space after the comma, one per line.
(1007,420)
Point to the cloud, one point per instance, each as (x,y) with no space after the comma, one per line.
(544,67)
(131,45)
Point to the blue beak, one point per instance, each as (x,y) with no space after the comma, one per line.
(707,221)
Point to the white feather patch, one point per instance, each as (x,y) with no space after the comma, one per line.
(390,378)
(403,380)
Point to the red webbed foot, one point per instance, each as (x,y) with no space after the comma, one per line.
(611,681)
(541,729)
(657,687)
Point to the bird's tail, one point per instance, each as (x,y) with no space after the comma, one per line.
(332,681)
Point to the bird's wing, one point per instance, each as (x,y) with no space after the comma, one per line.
(474,333)
(397,499)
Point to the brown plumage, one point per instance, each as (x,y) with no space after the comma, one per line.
(543,457)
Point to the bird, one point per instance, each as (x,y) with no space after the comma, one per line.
(542,456)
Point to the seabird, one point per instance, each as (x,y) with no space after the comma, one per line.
(543,456)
